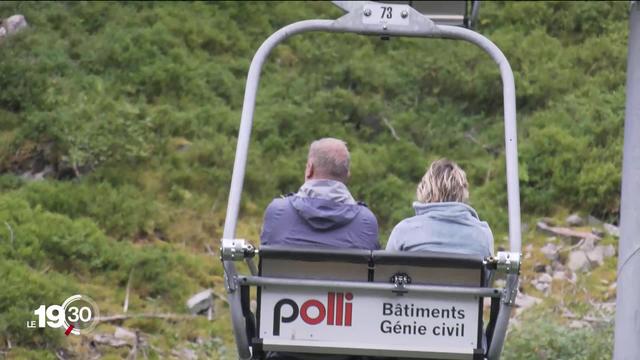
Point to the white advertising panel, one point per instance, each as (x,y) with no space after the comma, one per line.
(368,319)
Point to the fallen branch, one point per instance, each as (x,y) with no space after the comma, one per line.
(147,316)
(133,354)
(487,148)
(59,356)
(572,247)
(125,307)
(565,232)
(209,250)
(109,340)
(215,205)
(10,232)
(393,131)
(588,318)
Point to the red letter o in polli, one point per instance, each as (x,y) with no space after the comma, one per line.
(305,308)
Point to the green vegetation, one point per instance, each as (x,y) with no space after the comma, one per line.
(132,110)
(543,339)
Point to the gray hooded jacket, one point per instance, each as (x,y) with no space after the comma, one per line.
(322,214)
(444,227)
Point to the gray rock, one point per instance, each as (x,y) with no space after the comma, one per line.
(524,302)
(593,221)
(557,266)
(597,232)
(612,230)
(578,261)
(559,275)
(122,333)
(550,251)
(573,278)
(609,250)
(606,308)
(201,302)
(578,324)
(14,23)
(546,278)
(48,171)
(574,220)
(184,353)
(596,256)
(528,249)
(110,340)
(587,244)
(543,283)
(600,253)
(548,221)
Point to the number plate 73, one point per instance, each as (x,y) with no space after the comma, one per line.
(386,14)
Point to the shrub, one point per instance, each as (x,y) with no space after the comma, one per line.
(542,338)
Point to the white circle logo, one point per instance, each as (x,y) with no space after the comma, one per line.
(77,315)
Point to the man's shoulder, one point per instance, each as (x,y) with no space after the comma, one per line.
(366,213)
(279,202)
(277,208)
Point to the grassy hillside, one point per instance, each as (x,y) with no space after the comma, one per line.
(117,135)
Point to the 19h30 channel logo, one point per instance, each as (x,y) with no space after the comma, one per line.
(77,315)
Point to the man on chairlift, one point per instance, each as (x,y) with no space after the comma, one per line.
(322,213)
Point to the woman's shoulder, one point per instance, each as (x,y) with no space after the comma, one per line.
(411,223)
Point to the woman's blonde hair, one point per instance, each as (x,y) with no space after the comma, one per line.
(445,181)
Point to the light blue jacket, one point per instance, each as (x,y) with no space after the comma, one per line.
(443,227)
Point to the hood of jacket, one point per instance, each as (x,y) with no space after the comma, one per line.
(447,211)
(325,204)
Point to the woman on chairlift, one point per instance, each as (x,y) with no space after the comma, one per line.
(444,222)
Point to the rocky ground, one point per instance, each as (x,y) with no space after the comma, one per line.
(570,267)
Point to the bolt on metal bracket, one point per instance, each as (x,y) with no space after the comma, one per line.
(504,262)
(236,249)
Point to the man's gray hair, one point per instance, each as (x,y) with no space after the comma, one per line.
(330,158)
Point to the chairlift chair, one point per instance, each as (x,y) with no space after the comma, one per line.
(373,303)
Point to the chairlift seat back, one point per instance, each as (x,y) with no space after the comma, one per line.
(304,318)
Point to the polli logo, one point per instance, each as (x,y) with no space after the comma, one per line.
(337,311)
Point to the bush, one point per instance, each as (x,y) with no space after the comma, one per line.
(121,212)
(42,239)
(542,338)
(24,289)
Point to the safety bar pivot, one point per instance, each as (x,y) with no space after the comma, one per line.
(236,250)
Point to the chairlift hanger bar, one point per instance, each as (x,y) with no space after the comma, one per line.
(354,21)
